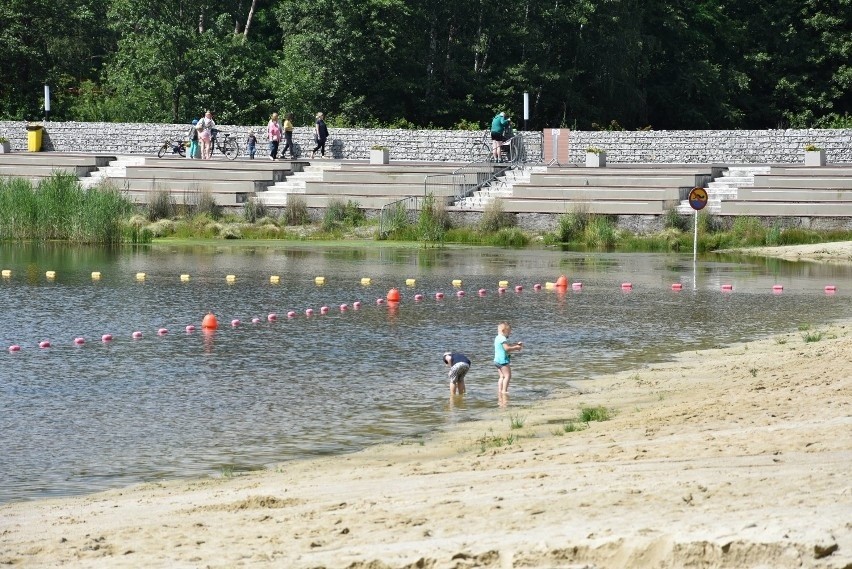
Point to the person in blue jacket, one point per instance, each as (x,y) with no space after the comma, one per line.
(499,124)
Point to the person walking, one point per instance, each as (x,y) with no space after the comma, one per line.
(320,134)
(273,130)
(288,136)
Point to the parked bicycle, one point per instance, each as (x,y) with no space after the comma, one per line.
(223,142)
(172,147)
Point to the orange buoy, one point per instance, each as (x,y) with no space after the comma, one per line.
(393,295)
(210,322)
(562,282)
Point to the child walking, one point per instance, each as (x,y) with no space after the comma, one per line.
(502,356)
(251,144)
(459,366)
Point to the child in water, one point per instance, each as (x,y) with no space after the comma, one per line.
(502,356)
(459,366)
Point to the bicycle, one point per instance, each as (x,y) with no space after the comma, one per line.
(178,147)
(485,148)
(227,145)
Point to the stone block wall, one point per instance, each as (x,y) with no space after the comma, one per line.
(626,147)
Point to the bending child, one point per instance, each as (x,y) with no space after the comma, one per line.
(459,366)
(502,356)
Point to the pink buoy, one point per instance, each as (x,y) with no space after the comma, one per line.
(777,289)
(136,335)
(291,314)
(460,293)
(344,307)
(235,322)
(482,292)
(255,320)
(14,348)
(272,317)
(418,297)
(727,287)
(356,305)
(190,328)
(380,301)
(79,341)
(439,295)
(501,290)
(830,288)
(309,312)
(162,331)
(627,285)
(577,286)
(106,338)
(44,344)
(519,288)
(323,309)
(536,286)
(677,286)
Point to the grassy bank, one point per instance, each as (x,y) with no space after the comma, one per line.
(57,208)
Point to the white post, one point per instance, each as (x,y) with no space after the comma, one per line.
(695,238)
(526,108)
(46,101)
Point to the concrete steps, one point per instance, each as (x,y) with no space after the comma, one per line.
(500,187)
(276,194)
(726,187)
(115,169)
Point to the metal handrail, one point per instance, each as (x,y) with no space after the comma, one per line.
(457,185)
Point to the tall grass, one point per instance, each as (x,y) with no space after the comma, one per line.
(58,208)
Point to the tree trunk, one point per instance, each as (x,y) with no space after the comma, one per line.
(250,16)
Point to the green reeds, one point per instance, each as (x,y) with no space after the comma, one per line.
(58,208)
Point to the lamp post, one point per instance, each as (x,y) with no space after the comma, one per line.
(46,102)
(526,108)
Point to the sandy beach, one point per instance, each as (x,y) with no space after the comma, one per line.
(732,457)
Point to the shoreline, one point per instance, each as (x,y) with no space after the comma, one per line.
(729,457)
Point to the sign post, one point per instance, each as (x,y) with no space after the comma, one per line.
(697,201)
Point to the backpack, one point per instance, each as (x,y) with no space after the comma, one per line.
(193,133)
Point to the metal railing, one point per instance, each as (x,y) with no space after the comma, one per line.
(457,185)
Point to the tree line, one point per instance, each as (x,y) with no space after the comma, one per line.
(605,64)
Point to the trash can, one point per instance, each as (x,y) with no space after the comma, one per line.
(34,132)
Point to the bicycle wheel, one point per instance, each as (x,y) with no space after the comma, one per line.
(162,150)
(182,150)
(230,148)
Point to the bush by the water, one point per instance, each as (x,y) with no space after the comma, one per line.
(58,208)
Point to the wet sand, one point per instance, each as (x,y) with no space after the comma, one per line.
(733,457)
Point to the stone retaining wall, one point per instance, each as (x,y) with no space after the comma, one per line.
(622,147)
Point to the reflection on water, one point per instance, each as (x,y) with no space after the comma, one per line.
(81,418)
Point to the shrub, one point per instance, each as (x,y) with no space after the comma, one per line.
(494,218)
(600,233)
(161,205)
(674,220)
(339,213)
(207,205)
(573,224)
(296,210)
(254,210)
(433,221)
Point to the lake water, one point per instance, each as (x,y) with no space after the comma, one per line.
(76,419)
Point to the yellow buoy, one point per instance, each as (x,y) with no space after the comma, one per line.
(319,280)
(7,273)
(50,274)
(549,286)
(96,276)
(366,280)
(140,276)
(410,282)
(184,278)
(503,283)
(230,278)
(457,282)
(274,279)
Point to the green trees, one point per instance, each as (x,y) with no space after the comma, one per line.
(625,63)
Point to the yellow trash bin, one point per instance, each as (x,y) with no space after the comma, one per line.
(34,132)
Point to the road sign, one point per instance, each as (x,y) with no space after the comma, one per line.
(698,198)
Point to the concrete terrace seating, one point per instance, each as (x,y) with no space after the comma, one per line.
(824,191)
(624,190)
(229,182)
(373,186)
(39,165)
